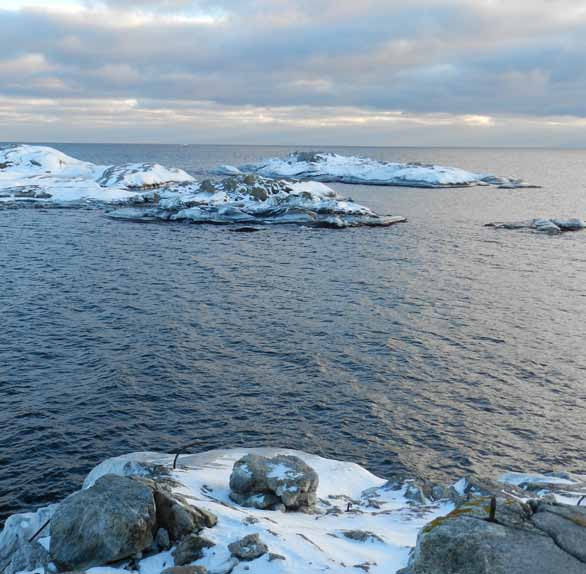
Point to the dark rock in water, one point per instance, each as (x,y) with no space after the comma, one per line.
(248,548)
(179,518)
(245,229)
(537,538)
(261,482)
(191,549)
(186,570)
(112,520)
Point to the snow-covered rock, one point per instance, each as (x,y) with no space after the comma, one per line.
(151,192)
(330,167)
(39,173)
(252,199)
(360,522)
(349,499)
(543,225)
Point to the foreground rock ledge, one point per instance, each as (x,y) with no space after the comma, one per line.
(534,538)
(138,515)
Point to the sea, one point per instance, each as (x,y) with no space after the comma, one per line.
(438,347)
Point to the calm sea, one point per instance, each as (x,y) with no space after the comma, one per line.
(438,347)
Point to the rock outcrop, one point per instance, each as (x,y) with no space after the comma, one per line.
(112,520)
(510,538)
(120,517)
(269,483)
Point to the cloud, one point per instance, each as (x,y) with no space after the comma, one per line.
(470,59)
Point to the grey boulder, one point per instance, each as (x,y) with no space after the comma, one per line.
(179,518)
(537,538)
(267,483)
(112,520)
(191,549)
(248,548)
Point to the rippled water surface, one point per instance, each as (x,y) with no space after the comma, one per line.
(438,346)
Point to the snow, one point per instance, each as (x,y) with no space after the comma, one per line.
(40,173)
(330,167)
(256,200)
(33,174)
(349,499)
(310,543)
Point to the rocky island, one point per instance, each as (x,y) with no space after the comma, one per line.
(41,176)
(331,167)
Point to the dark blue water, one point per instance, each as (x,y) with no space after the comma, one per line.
(439,347)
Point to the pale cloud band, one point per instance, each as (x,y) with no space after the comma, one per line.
(433,71)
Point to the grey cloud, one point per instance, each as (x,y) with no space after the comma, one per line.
(425,57)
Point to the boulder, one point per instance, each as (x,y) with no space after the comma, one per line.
(522,539)
(260,482)
(191,549)
(162,540)
(179,518)
(250,547)
(112,520)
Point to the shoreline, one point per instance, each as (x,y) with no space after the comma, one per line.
(385,519)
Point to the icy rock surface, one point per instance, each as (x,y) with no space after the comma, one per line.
(39,173)
(543,225)
(252,199)
(330,167)
(153,193)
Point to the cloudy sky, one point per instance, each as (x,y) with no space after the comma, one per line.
(360,72)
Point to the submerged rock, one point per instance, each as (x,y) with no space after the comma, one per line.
(112,520)
(260,482)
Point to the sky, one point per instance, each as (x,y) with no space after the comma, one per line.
(360,72)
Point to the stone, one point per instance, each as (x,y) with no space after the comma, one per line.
(273,556)
(566,525)
(191,549)
(362,536)
(471,487)
(110,521)
(524,539)
(248,548)
(162,540)
(186,570)
(260,482)
(179,518)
